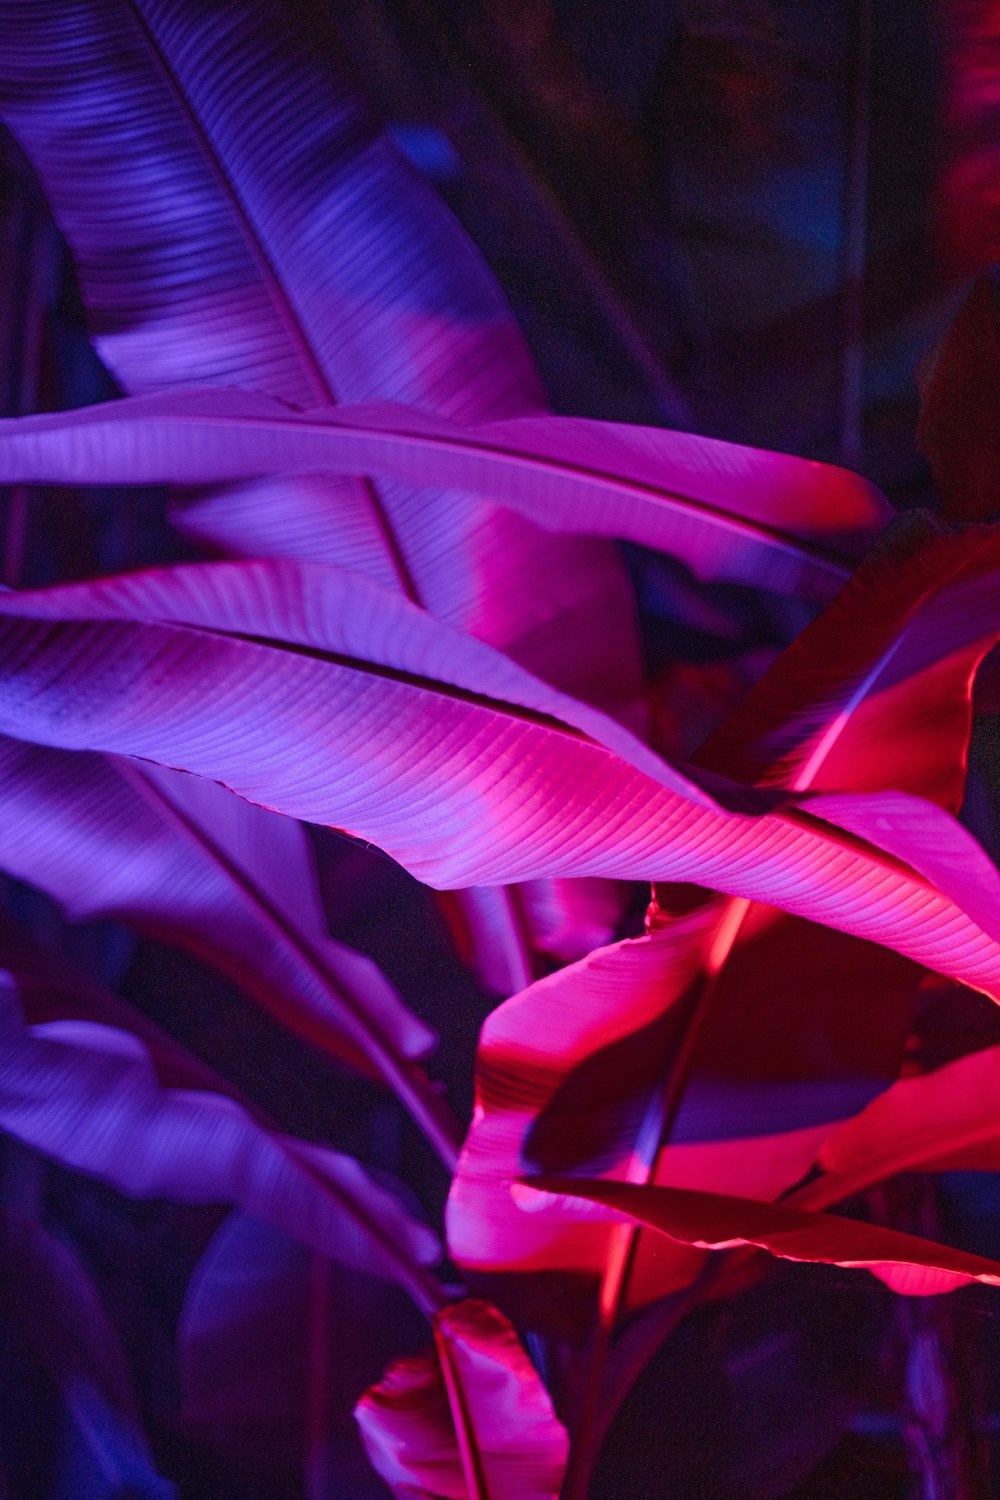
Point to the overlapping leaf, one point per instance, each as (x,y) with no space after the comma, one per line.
(187,862)
(566,1072)
(274,1345)
(468,1420)
(307,260)
(87,1094)
(728,511)
(346,706)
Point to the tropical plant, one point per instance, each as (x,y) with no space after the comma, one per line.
(399,612)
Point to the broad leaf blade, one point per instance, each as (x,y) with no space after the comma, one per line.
(420,716)
(307,260)
(566,1072)
(469,1420)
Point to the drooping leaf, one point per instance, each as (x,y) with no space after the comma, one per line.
(727,511)
(187,862)
(53,1310)
(386,714)
(274,1346)
(87,1094)
(468,1420)
(715,1221)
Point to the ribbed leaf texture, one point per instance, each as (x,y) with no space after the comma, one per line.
(187,862)
(727,511)
(305,259)
(452,759)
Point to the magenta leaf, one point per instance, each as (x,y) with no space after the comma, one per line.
(727,511)
(715,1221)
(929,1122)
(467,1420)
(876,693)
(88,1095)
(387,713)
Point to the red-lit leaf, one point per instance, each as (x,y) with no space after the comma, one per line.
(715,1221)
(467,1420)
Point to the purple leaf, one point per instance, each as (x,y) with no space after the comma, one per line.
(275,1344)
(234,884)
(307,260)
(53,1307)
(727,511)
(87,1094)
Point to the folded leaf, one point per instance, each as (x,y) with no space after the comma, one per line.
(87,1095)
(930,1122)
(727,511)
(876,692)
(189,863)
(468,1420)
(372,716)
(715,1221)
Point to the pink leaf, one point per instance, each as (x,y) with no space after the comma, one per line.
(937,1121)
(454,760)
(468,1420)
(718,1222)
(876,693)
